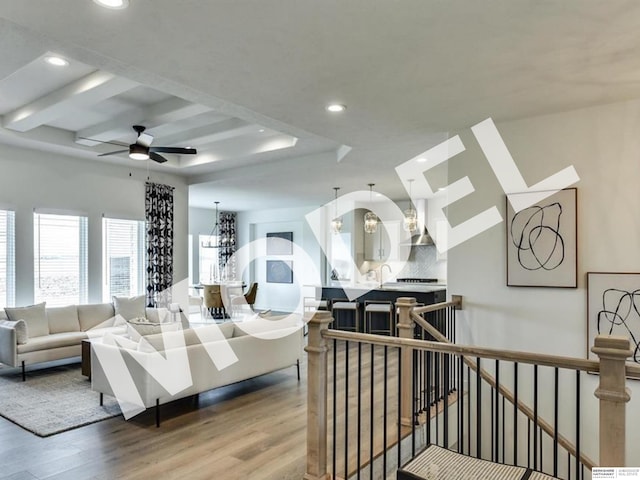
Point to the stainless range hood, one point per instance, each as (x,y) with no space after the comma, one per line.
(422,237)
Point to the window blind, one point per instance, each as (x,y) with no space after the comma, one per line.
(123,258)
(7,259)
(60,259)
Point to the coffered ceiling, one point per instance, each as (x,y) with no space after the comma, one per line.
(246,82)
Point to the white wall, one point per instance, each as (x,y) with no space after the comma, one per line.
(255,225)
(603,144)
(32,179)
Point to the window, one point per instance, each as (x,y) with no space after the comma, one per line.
(7,259)
(60,259)
(123,258)
(209,269)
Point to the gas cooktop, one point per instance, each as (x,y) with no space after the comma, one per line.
(417,280)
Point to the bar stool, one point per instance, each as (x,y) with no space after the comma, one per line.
(376,308)
(340,308)
(312,303)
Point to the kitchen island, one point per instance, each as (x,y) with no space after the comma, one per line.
(425,294)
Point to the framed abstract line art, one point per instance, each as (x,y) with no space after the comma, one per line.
(279,243)
(613,308)
(279,271)
(542,241)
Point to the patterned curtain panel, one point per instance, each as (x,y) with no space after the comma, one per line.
(159,216)
(227,244)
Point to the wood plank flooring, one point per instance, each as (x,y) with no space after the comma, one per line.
(254,429)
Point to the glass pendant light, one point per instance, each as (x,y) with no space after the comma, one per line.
(410,223)
(213,240)
(336,223)
(370,218)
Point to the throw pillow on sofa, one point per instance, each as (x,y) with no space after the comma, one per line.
(22,334)
(140,327)
(63,319)
(34,316)
(129,308)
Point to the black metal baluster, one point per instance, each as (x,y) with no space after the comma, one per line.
(568,466)
(515,413)
(491,423)
(414,413)
(359,418)
(437,358)
(371,415)
(460,404)
(555,421)
(346,410)
(445,406)
(497,419)
(429,390)
(384,411)
(535,417)
(335,410)
(478,410)
(469,410)
(577,423)
(399,406)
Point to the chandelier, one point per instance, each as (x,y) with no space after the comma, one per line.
(370,218)
(410,222)
(336,223)
(214,237)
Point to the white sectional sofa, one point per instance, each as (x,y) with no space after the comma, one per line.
(35,334)
(164,367)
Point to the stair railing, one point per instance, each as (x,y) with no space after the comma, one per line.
(396,358)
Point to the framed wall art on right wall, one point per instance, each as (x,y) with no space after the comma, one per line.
(542,241)
(613,308)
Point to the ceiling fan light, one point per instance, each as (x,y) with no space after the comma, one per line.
(138,152)
(113,4)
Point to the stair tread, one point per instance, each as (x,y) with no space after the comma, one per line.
(437,462)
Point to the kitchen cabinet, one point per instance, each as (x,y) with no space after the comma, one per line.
(377,246)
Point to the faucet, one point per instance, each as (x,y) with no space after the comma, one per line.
(381,267)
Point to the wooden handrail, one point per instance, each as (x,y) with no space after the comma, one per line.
(483,352)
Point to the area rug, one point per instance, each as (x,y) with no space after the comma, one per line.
(52,400)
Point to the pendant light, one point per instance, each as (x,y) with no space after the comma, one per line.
(213,241)
(370,218)
(410,222)
(336,223)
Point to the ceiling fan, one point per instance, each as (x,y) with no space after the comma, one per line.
(142,149)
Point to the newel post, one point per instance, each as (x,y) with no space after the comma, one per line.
(613,394)
(317,389)
(405,330)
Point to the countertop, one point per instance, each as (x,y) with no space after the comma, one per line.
(390,287)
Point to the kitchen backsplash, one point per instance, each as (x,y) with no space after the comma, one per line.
(423,263)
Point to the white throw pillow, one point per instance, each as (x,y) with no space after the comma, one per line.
(158,315)
(34,316)
(20,326)
(129,308)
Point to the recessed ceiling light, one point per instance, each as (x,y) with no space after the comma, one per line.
(57,61)
(421,160)
(261,130)
(336,108)
(114,4)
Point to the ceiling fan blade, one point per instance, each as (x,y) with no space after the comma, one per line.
(144,139)
(120,144)
(113,153)
(176,150)
(157,158)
